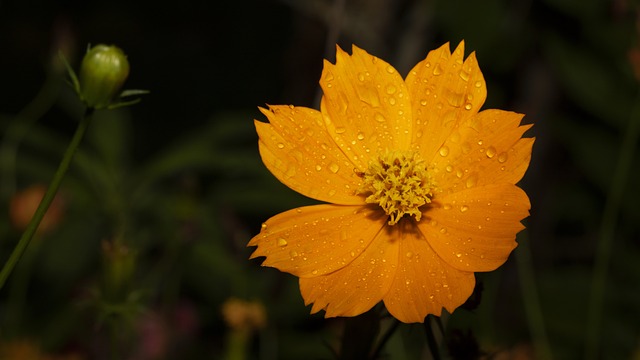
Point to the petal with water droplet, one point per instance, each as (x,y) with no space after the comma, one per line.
(291,157)
(492,240)
(323,237)
(438,114)
(356,288)
(481,147)
(352,102)
(413,294)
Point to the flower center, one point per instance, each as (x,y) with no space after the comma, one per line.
(400,182)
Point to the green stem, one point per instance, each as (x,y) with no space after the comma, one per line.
(47,199)
(531,300)
(607,232)
(432,342)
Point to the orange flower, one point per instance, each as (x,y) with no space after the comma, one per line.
(421,186)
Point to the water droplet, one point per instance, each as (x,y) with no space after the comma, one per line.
(437,70)
(449,168)
(502,157)
(390,69)
(291,171)
(444,151)
(443,230)
(478,84)
(392,100)
(332,192)
(329,85)
(419,134)
(459,174)
(314,272)
(333,167)
(472,180)
(340,130)
(447,206)
(459,255)
(431,297)
(361,76)
(379,118)
(280,146)
(293,254)
(468,106)
(464,75)
(318,167)
(423,102)
(282,242)
(264,226)
(360,136)
(491,152)
(409,254)
(480,142)
(391,89)
(464,208)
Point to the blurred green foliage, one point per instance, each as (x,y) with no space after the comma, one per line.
(177,179)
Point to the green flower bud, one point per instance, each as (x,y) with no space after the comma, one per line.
(103,71)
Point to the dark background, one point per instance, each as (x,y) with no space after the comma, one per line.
(178,179)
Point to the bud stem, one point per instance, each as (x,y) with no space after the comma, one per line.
(47,199)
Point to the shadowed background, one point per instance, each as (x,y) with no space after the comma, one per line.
(178,178)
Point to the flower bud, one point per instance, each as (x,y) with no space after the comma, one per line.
(103,71)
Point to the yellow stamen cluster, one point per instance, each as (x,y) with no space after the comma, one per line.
(400,183)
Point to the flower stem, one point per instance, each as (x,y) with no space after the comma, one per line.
(531,300)
(607,231)
(47,199)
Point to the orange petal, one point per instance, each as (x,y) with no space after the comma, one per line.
(424,283)
(475,230)
(297,149)
(365,106)
(485,149)
(357,287)
(316,240)
(444,91)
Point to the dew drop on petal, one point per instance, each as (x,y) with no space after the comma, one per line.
(293,254)
(361,76)
(391,89)
(491,152)
(472,180)
(437,70)
(360,136)
(409,254)
(446,206)
(318,167)
(449,168)
(332,192)
(340,130)
(464,208)
(444,151)
(379,118)
(390,69)
(333,167)
(264,226)
(459,255)
(502,157)
(280,146)
(423,102)
(464,75)
(392,100)
(478,84)
(468,106)
(282,242)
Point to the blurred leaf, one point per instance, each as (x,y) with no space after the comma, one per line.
(590,80)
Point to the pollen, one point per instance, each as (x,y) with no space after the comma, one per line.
(400,182)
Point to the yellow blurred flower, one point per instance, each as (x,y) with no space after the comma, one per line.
(420,186)
(244,315)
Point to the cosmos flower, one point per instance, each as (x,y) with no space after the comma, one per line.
(419,186)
